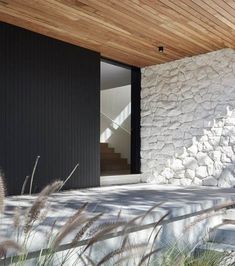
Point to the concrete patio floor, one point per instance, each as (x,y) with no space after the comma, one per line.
(130,199)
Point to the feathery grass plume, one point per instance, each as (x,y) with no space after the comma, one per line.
(122,259)
(83,261)
(208,215)
(200,218)
(228,259)
(85,228)
(149,211)
(125,241)
(208,258)
(119,214)
(158,224)
(102,232)
(80,220)
(76,214)
(226,205)
(52,228)
(16,219)
(17,222)
(180,260)
(70,175)
(74,221)
(32,176)
(24,185)
(148,255)
(2,191)
(113,222)
(125,258)
(91,262)
(120,251)
(140,218)
(157,233)
(128,224)
(51,188)
(101,226)
(8,244)
(39,203)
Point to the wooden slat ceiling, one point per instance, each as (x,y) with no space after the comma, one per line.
(130,31)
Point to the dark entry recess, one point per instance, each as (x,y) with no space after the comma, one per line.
(49,106)
(135,114)
(135,120)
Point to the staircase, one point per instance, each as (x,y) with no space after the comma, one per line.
(222,238)
(111,162)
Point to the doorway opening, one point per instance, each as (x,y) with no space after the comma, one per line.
(115,119)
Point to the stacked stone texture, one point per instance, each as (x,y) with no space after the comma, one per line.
(188,121)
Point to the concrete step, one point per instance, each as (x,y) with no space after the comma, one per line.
(224,234)
(119,179)
(229,215)
(217,247)
(228,221)
(115,172)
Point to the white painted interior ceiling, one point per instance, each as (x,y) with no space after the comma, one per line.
(113,76)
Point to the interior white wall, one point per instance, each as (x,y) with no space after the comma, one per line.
(113,76)
(116,105)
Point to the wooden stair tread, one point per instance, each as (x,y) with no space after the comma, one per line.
(111,162)
(106,149)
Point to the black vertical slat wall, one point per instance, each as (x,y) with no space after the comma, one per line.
(50,106)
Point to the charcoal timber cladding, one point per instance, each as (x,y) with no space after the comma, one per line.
(49,106)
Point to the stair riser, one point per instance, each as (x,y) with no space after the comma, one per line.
(222,236)
(198,252)
(104,144)
(115,163)
(113,167)
(107,150)
(111,161)
(213,247)
(111,156)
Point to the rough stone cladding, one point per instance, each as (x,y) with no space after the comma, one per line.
(188,121)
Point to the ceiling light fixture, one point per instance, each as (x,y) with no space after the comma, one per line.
(160,49)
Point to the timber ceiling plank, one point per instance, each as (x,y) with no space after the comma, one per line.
(199,20)
(140,25)
(130,31)
(177,26)
(199,16)
(130,36)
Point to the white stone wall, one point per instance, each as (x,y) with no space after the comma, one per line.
(188,121)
